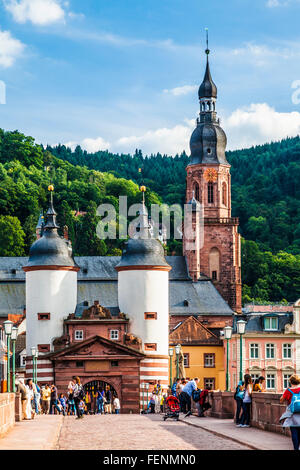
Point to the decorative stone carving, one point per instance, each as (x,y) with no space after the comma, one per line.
(133,341)
(96,311)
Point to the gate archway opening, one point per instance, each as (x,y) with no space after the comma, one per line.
(91,390)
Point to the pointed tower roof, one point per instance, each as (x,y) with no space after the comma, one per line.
(207,88)
(143,252)
(51,249)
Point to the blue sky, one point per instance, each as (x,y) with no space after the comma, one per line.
(122,74)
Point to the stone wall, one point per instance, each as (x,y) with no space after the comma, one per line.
(265,413)
(7,412)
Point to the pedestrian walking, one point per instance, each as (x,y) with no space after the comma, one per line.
(245,419)
(152,403)
(186,395)
(54,400)
(78,395)
(37,398)
(291,417)
(46,396)
(239,396)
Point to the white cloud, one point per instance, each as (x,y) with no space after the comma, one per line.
(250,125)
(182,90)
(280,3)
(90,145)
(39,12)
(259,123)
(10,49)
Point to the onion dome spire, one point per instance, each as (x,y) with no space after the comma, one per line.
(144,225)
(207,88)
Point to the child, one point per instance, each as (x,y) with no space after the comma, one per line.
(63,404)
(117,406)
(82,407)
(152,403)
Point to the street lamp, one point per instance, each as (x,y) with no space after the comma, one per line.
(33,353)
(177,351)
(14,334)
(8,329)
(241,326)
(227,335)
(143,387)
(147,388)
(36,358)
(171,353)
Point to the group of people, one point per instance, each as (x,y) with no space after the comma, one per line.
(46,400)
(185,391)
(290,397)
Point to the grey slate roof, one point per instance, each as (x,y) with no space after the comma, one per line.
(50,250)
(98,267)
(100,283)
(255,322)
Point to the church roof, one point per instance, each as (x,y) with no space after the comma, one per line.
(192,332)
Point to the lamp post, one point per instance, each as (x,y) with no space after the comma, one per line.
(33,353)
(227,334)
(147,388)
(14,334)
(171,353)
(8,329)
(177,351)
(143,387)
(241,326)
(36,358)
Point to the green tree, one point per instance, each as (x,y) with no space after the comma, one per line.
(11,236)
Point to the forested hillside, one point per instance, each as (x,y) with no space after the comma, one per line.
(265,194)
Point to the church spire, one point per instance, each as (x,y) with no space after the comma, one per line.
(51,214)
(207,88)
(144,225)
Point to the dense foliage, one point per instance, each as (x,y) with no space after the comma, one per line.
(265,195)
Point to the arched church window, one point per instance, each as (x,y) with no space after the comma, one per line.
(196,191)
(224,194)
(210,193)
(214,264)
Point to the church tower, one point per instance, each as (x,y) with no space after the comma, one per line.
(209,182)
(51,292)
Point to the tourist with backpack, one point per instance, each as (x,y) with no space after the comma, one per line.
(245,419)
(291,418)
(78,396)
(238,396)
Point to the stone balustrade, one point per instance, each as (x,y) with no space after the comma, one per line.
(265,413)
(7,412)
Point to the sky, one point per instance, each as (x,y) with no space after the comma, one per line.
(124,74)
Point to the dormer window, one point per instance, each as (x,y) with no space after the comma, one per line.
(271,323)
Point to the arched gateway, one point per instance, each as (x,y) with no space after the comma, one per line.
(92,388)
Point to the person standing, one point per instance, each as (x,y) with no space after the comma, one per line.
(257,387)
(108,400)
(117,405)
(46,396)
(186,394)
(63,403)
(22,390)
(100,407)
(54,400)
(29,399)
(174,387)
(78,395)
(37,398)
(238,396)
(245,419)
(291,418)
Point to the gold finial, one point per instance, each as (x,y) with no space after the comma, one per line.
(143,189)
(51,188)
